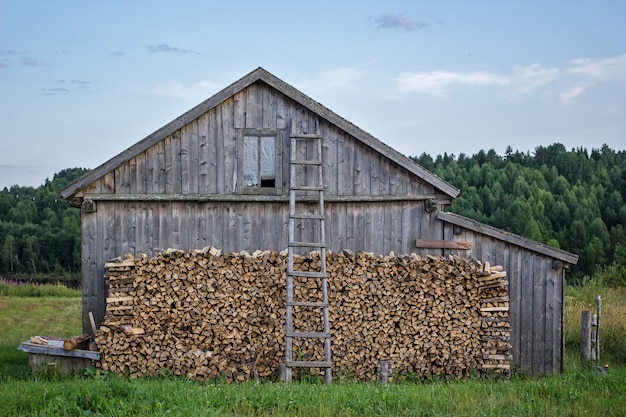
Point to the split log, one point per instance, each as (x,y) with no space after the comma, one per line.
(75,342)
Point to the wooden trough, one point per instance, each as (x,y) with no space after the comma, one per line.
(52,354)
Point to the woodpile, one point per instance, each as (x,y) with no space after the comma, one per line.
(204,314)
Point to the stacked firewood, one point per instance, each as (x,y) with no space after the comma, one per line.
(496,328)
(204,314)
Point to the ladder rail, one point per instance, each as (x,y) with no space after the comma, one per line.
(315,162)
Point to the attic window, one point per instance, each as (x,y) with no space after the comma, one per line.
(259,164)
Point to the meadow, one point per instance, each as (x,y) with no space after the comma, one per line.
(54,311)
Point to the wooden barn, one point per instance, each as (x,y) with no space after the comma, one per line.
(219,176)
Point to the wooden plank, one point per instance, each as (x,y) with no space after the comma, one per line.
(489,309)
(120,299)
(253,198)
(230,153)
(185,160)
(443,244)
(496,366)
(539,315)
(268,107)
(204,152)
(487,356)
(515,290)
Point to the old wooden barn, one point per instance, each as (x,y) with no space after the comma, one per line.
(219,175)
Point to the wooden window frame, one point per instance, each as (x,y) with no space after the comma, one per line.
(278,136)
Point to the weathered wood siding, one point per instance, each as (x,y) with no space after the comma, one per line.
(202,156)
(536,299)
(119,227)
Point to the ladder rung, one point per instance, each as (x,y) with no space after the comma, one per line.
(307,304)
(305,162)
(308,244)
(308,364)
(307,216)
(306,188)
(306,136)
(309,335)
(306,274)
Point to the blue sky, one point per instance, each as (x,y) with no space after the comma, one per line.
(80,81)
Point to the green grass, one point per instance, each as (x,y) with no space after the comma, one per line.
(575,393)
(43,290)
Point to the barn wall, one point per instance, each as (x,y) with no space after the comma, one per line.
(118,227)
(536,299)
(202,156)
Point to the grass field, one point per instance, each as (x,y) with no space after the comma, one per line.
(575,393)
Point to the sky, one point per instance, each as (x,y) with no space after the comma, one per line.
(81,81)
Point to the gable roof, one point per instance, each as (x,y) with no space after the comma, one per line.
(262,75)
(505,236)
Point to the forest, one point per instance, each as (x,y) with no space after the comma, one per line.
(569,199)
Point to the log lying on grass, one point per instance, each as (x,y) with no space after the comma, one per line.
(204,314)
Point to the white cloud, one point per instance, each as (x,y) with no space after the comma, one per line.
(332,79)
(570,82)
(438,82)
(572,93)
(532,77)
(199,90)
(608,69)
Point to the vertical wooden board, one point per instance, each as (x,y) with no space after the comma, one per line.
(268,107)
(526,316)
(153,225)
(281,110)
(345,183)
(159,179)
(142,175)
(383,176)
(108,183)
(253,111)
(189,140)
(407,237)
(204,152)
(141,231)
(335,226)
(515,295)
(230,152)
(121,179)
(220,148)
(185,160)
(169,165)
(177,155)
(165,226)
(559,294)
(176,225)
(329,157)
(387,228)
(239,111)
(360,172)
(550,351)
(187,223)
(375,174)
(377,243)
(150,170)
(89,248)
(539,315)
(133,176)
(359,226)
(350,227)
(396,228)
(248,212)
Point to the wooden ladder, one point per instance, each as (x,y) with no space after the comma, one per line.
(303,188)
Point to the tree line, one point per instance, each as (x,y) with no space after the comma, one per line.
(569,199)
(572,200)
(39,231)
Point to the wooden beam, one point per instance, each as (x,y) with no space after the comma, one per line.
(443,244)
(251,198)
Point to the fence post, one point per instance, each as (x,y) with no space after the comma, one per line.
(585,337)
(385,372)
